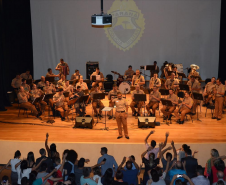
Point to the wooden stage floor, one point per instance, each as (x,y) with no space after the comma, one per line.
(14,128)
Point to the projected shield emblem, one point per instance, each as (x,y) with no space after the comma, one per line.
(128,24)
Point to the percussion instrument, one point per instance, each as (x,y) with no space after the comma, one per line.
(124,87)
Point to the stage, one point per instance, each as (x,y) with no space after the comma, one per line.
(28,134)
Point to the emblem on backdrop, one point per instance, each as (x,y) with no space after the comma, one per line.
(128,24)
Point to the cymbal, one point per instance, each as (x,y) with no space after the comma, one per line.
(114,72)
(194,66)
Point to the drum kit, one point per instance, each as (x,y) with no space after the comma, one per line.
(123,83)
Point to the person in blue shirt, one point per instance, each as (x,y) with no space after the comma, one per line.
(177,171)
(85,178)
(129,175)
(109,161)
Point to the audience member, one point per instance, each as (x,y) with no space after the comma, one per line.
(69,165)
(220,170)
(119,179)
(214,154)
(97,175)
(200,179)
(107,178)
(109,161)
(177,179)
(178,170)
(155,180)
(48,161)
(85,178)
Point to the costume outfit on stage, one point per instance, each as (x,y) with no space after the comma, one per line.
(136,103)
(153,103)
(136,79)
(154,82)
(170,83)
(121,115)
(170,109)
(219,100)
(64,69)
(194,85)
(23,100)
(61,105)
(183,109)
(26,76)
(96,102)
(36,94)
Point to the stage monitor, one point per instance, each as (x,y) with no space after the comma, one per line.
(146,122)
(84,122)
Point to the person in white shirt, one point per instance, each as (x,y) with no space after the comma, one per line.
(200,179)
(13,162)
(153,144)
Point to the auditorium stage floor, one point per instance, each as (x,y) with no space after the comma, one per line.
(14,128)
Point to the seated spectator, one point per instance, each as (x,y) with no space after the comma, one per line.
(220,182)
(220,168)
(176,171)
(153,144)
(35,180)
(191,163)
(97,175)
(69,165)
(155,180)
(48,161)
(177,179)
(107,178)
(13,162)
(51,151)
(23,170)
(150,163)
(110,161)
(79,170)
(119,179)
(214,154)
(85,178)
(200,179)
(129,175)
(221,177)
(43,171)
(5,180)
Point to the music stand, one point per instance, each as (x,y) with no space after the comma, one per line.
(150,67)
(46,99)
(86,91)
(198,96)
(106,109)
(140,97)
(71,82)
(166,103)
(164,92)
(98,96)
(184,87)
(148,91)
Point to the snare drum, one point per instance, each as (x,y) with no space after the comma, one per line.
(124,88)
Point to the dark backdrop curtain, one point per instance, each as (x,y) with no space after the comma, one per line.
(16,53)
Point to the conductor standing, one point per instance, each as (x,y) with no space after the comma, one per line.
(121,115)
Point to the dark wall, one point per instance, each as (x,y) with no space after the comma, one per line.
(222,58)
(16,40)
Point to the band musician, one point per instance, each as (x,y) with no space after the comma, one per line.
(155,81)
(154,99)
(136,103)
(26,75)
(68,88)
(25,85)
(78,106)
(111,95)
(121,115)
(23,100)
(63,68)
(61,82)
(129,73)
(208,93)
(96,103)
(168,110)
(172,83)
(82,84)
(156,70)
(36,93)
(138,79)
(76,75)
(194,86)
(60,104)
(49,89)
(100,81)
(51,74)
(219,99)
(184,108)
(16,82)
(42,84)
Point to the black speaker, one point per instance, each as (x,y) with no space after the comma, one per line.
(84,122)
(90,68)
(146,122)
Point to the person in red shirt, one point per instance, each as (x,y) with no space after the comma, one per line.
(215,171)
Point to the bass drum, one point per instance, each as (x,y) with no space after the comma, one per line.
(124,88)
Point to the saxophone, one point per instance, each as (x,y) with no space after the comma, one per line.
(137,81)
